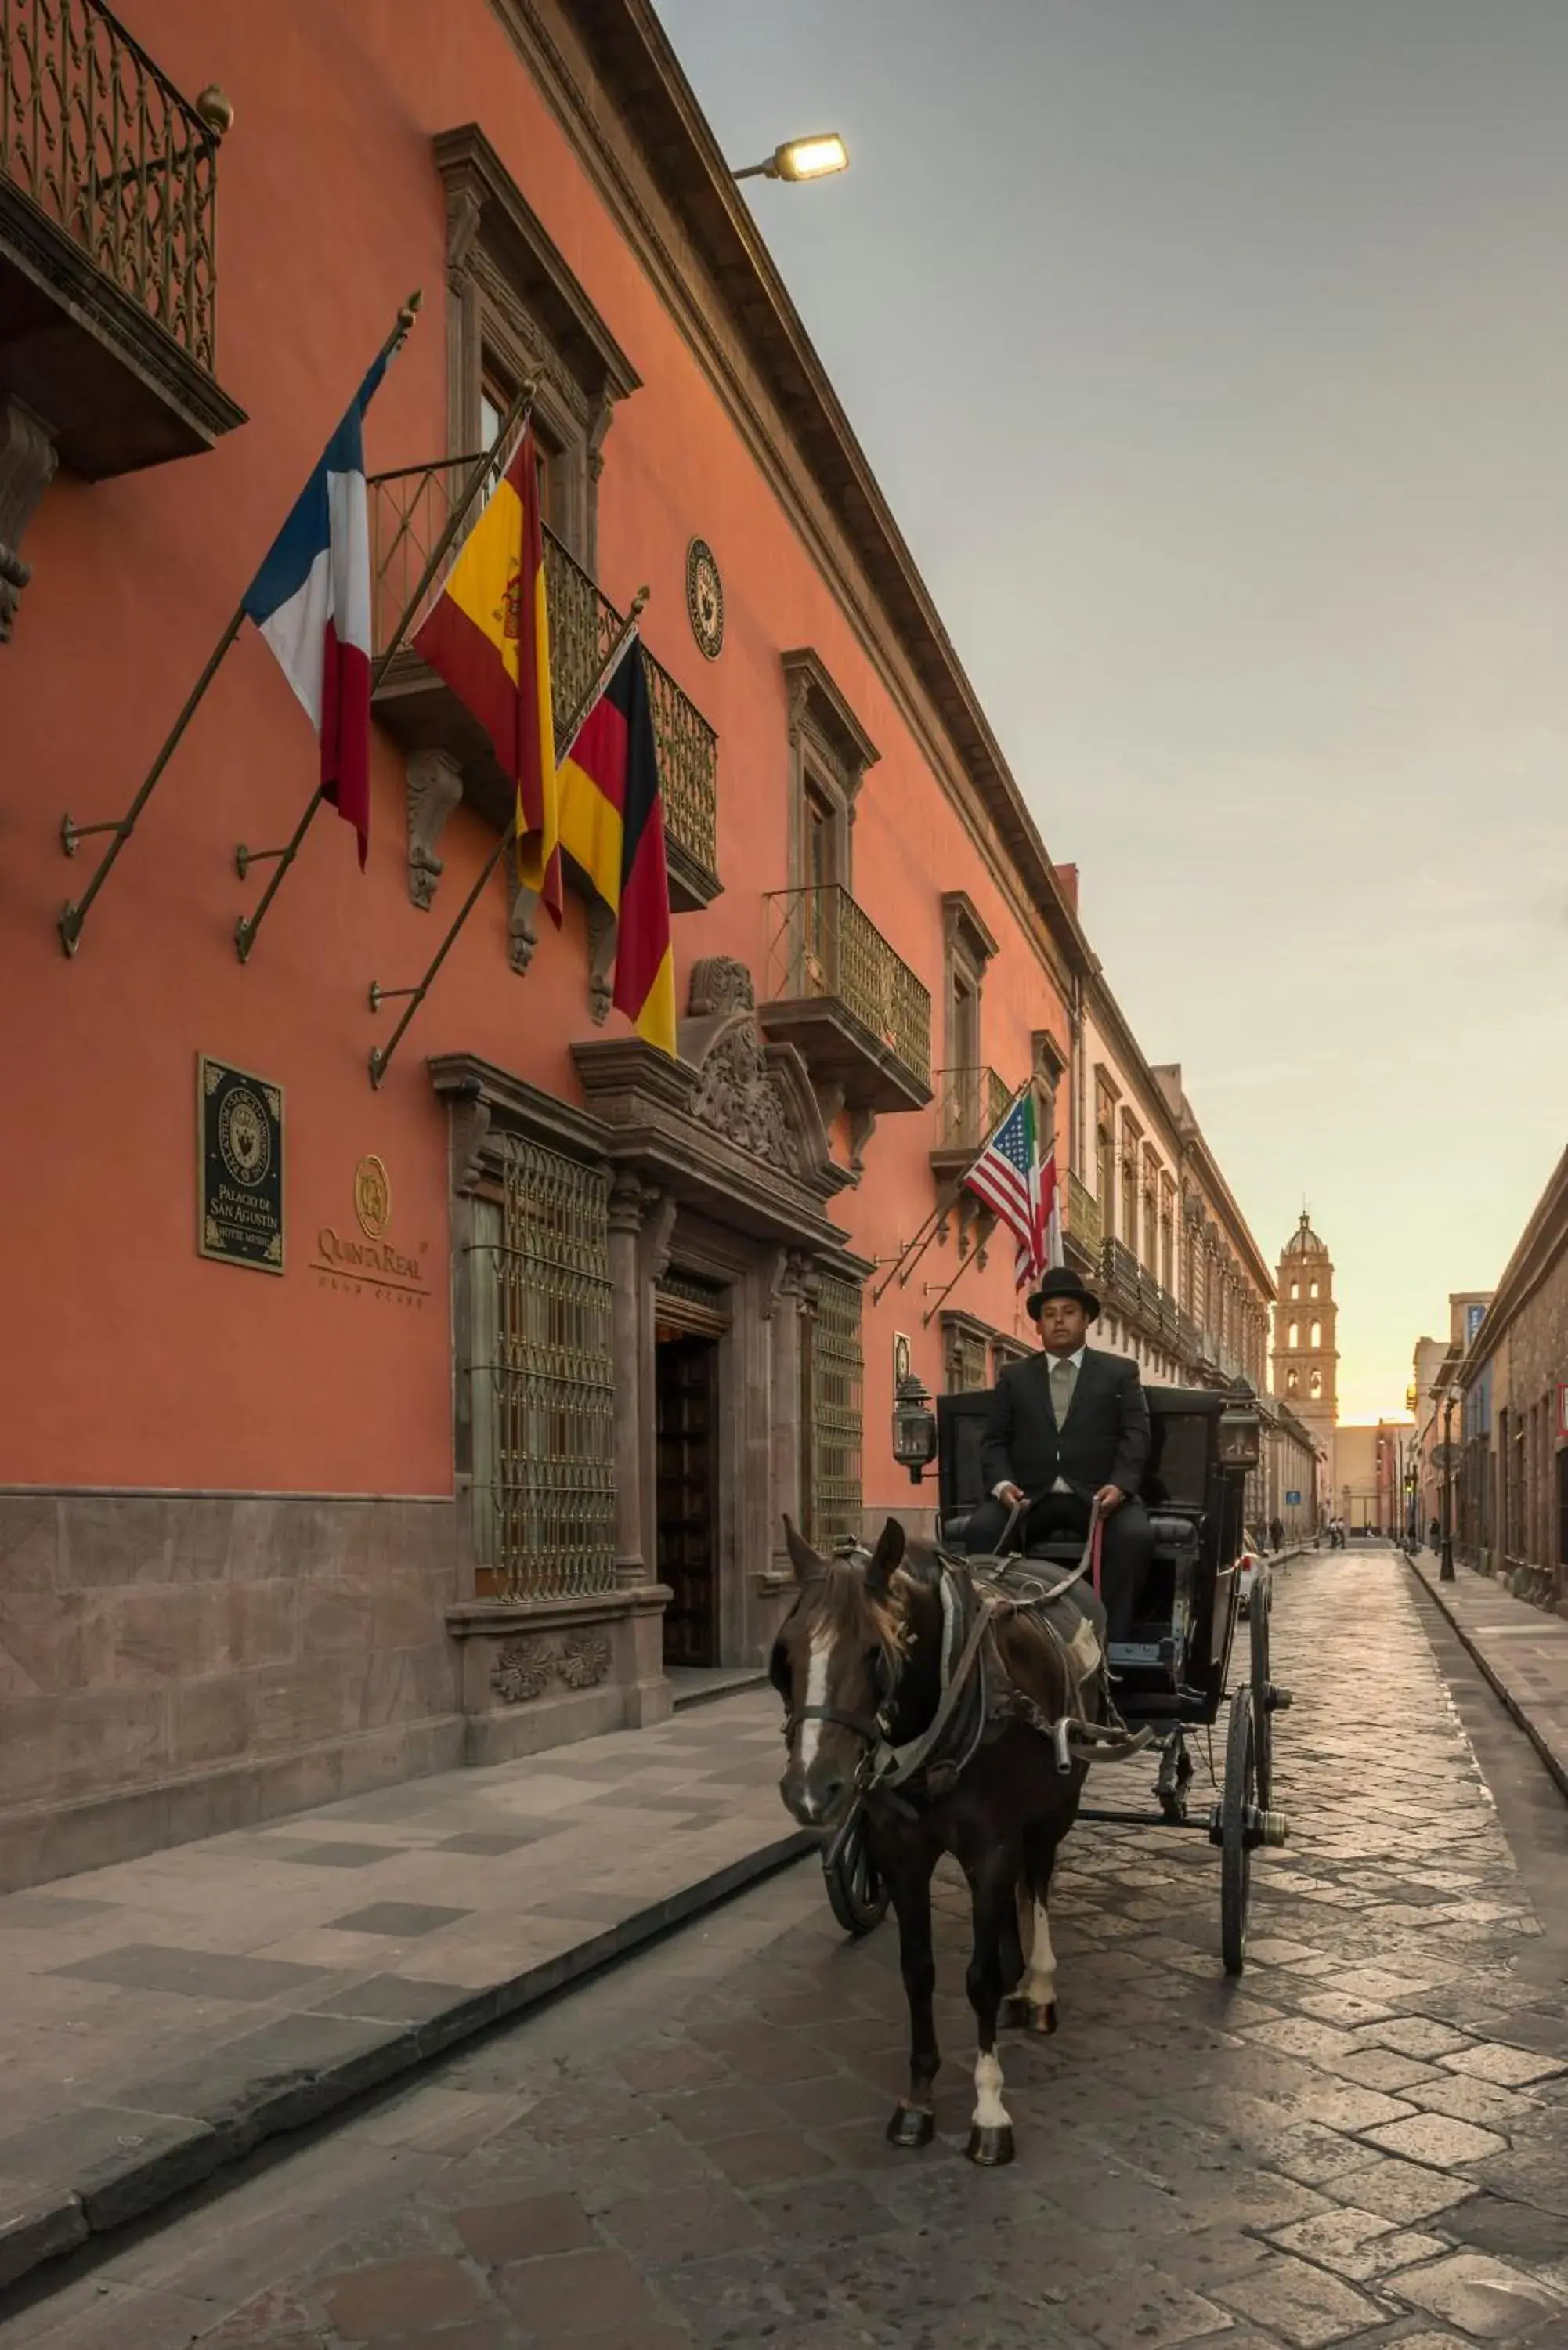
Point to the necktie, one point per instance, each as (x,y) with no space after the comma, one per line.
(1063,1379)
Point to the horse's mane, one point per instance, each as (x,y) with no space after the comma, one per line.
(849,1610)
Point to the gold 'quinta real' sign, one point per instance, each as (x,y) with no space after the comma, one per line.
(239,1166)
(374,1266)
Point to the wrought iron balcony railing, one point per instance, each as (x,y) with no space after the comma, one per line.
(411,508)
(1119,1272)
(1083,1219)
(970,1105)
(106,148)
(823,945)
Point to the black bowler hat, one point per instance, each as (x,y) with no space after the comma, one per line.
(1060,1283)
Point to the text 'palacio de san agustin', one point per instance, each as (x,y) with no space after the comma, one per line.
(355,1430)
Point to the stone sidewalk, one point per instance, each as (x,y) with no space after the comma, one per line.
(1361,2145)
(163,2016)
(1522,1651)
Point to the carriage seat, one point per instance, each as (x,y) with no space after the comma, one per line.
(1170,1532)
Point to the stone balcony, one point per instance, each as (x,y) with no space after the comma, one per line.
(108,262)
(1081,1239)
(449,756)
(857,1011)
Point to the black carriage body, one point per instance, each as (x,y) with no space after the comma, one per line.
(1175,1667)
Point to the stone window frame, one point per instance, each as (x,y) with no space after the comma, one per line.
(1148,1247)
(966,1349)
(1167,1268)
(830,754)
(484,1117)
(968,947)
(1107,1096)
(516,308)
(1128,1152)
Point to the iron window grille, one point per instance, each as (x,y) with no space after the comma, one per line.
(838,1376)
(543,1383)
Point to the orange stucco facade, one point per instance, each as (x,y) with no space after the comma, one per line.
(145,1383)
(133,1361)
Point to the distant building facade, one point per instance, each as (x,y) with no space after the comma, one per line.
(1513,1417)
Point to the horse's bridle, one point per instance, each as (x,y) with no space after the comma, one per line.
(868,1728)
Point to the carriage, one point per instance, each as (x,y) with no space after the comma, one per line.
(1174,1676)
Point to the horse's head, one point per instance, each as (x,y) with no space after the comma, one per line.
(834,1664)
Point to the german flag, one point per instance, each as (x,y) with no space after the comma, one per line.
(612,824)
(488,635)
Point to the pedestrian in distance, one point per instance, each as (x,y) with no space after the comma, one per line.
(1277,1534)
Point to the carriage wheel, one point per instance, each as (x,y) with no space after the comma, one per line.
(855,1893)
(1263,1709)
(1237,1809)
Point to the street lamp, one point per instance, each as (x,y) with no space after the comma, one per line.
(815,157)
(1446,1565)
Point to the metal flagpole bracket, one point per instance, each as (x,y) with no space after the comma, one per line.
(380,1055)
(73,915)
(245,858)
(522,407)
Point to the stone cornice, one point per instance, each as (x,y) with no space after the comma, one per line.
(1535,1254)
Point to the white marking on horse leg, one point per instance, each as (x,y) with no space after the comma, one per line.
(989,2113)
(1039,1986)
(811,1731)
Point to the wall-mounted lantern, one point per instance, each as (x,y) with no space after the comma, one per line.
(1241,1431)
(913,1428)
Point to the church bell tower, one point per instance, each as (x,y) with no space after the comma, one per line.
(1305,1359)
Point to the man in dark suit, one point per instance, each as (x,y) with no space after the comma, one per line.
(1068,1435)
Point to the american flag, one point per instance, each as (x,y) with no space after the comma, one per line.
(1008,1177)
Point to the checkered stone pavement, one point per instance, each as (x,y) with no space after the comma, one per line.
(1362,2142)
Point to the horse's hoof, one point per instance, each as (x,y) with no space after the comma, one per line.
(911,2126)
(991,2148)
(1044,2019)
(1015,2015)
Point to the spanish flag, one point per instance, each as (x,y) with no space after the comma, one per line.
(488,635)
(612,824)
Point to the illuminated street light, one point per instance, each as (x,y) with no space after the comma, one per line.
(815,158)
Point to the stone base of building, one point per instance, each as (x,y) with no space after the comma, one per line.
(177,1665)
(548,1672)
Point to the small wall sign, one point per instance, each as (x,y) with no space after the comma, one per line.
(239,1166)
(373,1266)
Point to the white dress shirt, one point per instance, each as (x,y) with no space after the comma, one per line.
(1061,1486)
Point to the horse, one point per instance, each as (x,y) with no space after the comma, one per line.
(859,1662)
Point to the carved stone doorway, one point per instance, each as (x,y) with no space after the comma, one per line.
(687,1429)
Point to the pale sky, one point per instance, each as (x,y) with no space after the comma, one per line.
(1213,355)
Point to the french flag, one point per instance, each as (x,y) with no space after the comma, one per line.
(311,600)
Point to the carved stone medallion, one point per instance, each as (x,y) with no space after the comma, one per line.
(705,597)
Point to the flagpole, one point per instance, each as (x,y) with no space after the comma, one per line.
(380,1055)
(74,913)
(518,413)
(942,1295)
(910,1255)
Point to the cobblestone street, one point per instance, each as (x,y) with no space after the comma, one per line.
(1365,2141)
